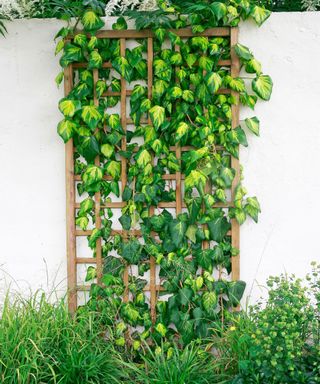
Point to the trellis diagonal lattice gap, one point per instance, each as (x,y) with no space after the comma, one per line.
(178,205)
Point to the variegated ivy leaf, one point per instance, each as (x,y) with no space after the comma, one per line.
(91,21)
(120,25)
(188,96)
(138,92)
(191,59)
(240,215)
(243,52)
(114,121)
(66,129)
(122,66)
(182,131)
(175,92)
(213,81)
(195,179)
(82,222)
(219,9)
(177,231)
(95,60)
(259,14)
(59,78)
(159,87)
(72,53)
(206,63)
(253,66)
(252,208)
(107,150)
(157,146)
(91,115)
(149,133)
(92,240)
(237,136)
(162,70)
(86,206)
(59,47)
(235,83)
(91,273)
(175,39)
(253,124)
(262,86)
(80,39)
(145,105)
(176,58)
(191,233)
(157,115)
(200,42)
(93,42)
(113,168)
(92,174)
(69,107)
(160,34)
(130,313)
(101,87)
(144,158)
(161,329)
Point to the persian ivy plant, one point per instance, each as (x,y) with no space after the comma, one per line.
(186,108)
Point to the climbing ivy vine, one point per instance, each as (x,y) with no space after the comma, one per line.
(187,108)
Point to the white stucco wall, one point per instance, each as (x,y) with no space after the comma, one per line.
(281,167)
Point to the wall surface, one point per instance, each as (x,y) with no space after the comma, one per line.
(281,167)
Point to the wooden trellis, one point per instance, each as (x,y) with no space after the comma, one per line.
(178,205)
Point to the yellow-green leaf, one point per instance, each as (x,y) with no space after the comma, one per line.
(69,107)
(182,130)
(66,128)
(157,115)
(243,52)
(253,124)
(213,81)
(113,168)
(80,39)
(107,150)
(95,60)
(91,273)
(262,86)
(92,174)
(91,115)
(144,158)
(253,66)
(91,21)
(82,222)
(260,14)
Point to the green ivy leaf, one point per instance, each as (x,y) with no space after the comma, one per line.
(107,150)
(188,96)
(191,233)
(89,148)
(113,168)
(91,273)
(262,86)
(66,129)
(218,228)
(206,63)
(191,59)
(175,92)
(120,25)
(95,60)
(114,121)
(219,9)
(243,52)
(125,221)
(259,14)
(162,70)
(131,251)
(185,295)
(86,206)
(92,174)
(204,259)
(69,107)
(130,313)
(253,66)
(91,115)
(182,131)
(138,92)
(177,231)
(91,21)
(101,87)
(82,222)
(200,42)
(157,115)
(122,66)
(253,124)
(213,81)
(195,179)
(160,34)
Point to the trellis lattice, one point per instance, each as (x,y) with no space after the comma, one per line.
(177,179)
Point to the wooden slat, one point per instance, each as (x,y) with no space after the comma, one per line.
(153,292)
(124,148)
(70,201)
(97,195)
(183,32)
(235,229)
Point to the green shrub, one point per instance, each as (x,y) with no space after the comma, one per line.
(43,343)
(284,343)
(192,365)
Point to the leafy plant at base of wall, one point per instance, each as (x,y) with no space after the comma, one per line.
(186,108)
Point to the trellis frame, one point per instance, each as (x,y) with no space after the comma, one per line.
(71,179)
